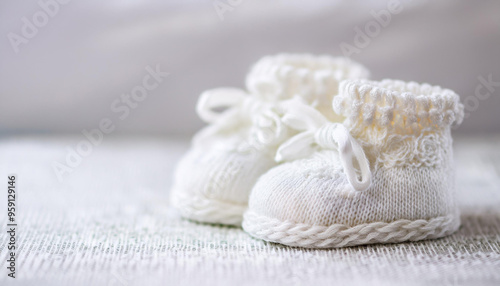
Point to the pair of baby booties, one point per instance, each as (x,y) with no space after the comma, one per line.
(314,155)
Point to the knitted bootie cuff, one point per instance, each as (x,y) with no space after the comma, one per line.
(314,78)
(396,107)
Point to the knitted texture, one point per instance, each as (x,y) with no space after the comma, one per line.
(400,123)
(314,202)
(228,156)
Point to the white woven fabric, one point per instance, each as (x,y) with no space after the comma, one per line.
(213,180)
(398,136)
(109,223)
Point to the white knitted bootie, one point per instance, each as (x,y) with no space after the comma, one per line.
(385,175)
(213,180)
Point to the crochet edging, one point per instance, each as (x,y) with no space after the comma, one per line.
(340,235)
(379,103)
(305,73)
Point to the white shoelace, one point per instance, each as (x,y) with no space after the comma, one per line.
(299,116)
(235,100)
(318,130)
(239,106)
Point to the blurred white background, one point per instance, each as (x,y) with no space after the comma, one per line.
(65,76)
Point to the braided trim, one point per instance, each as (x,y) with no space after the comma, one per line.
(340,235)
(207,210)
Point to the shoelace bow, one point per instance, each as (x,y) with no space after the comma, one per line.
(238,105)
(316,129)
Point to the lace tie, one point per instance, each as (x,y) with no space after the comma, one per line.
(316,129)
(239,106)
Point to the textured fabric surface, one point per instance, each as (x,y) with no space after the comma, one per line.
(108,223)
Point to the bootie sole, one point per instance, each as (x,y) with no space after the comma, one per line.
(340,235)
